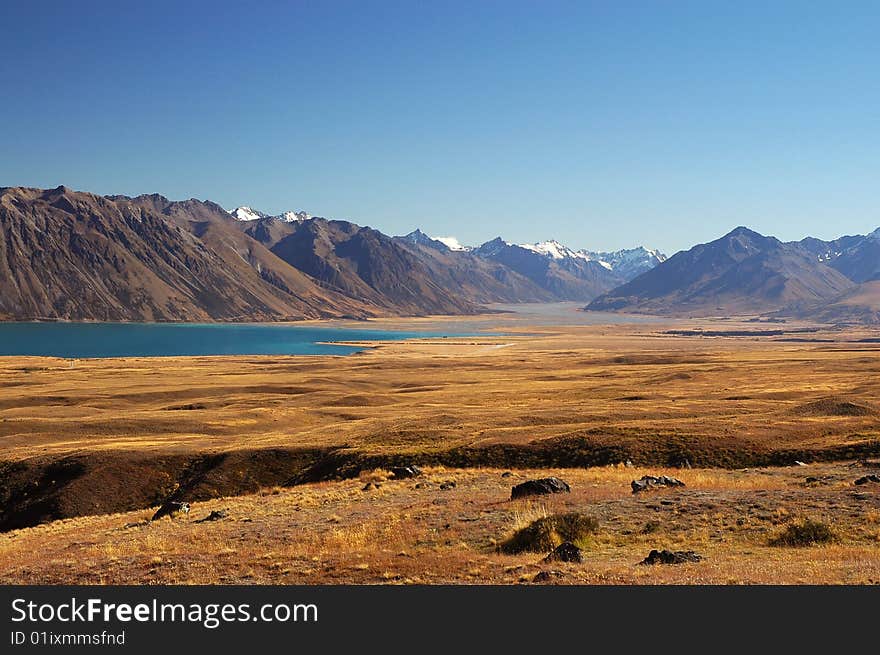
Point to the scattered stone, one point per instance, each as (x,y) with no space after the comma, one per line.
(865,479)
(670,557)
(215,515)
(507,474)
(405,472)
(818,479)
(446,486)
(799,463)
(647,482)
(565,552)
(171,509)
(862,496)
(423,485)
(539,488)
(547,576)
(628,464)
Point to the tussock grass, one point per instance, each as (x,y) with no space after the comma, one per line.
(804,533)
(546,533)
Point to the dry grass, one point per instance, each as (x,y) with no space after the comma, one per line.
(334,532)
(561,395)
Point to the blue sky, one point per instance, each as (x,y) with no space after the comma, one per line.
(600,124)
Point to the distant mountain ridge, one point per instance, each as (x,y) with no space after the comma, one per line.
(73,255)
(745,272)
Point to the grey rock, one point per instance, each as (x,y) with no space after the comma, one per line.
(565,552)
(215,515)
(647,482)
(670,557)
(405,472)
(547,576)
(539,487)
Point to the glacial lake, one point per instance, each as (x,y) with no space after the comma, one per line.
(90,340)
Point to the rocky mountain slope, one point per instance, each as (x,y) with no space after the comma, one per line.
(743,272)
(74,255)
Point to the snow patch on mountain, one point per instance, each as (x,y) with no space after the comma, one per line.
(629,258)
(625,261)
(552,249)
(245,213)
(452,243)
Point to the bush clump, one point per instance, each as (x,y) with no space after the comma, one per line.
(547,533)
(804,533)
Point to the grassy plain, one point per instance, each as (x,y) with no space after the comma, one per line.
(286,444)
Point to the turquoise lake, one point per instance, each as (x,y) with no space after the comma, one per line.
(89,340)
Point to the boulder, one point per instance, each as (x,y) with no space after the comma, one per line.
(405,472)
(670,557)
(215,515)
(865,479)
(539,487)
(565,552)
(547,576)
(647,482)
(446,486)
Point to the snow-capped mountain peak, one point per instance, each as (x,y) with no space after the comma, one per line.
(552,249)
(245,213)
(629,261)
(875,234)
(452,243)
(293,217)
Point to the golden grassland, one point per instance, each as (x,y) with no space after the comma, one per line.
(539,400)
(435,394)
(337,532)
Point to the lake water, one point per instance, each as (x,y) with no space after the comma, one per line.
(84,340)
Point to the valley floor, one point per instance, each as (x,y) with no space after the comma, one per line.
(285,446)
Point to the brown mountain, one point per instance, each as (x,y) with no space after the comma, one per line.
(74,255)
(478,279)
(362,263)
(743,272)
(859,305)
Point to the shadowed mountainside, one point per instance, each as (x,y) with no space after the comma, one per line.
(743,272)
(74,255)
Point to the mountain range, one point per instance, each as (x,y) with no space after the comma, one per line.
(74,255)
(744,272)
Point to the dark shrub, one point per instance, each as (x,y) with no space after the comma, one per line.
(804,533)
(547,533)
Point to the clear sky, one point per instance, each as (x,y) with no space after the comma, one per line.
(600,124)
